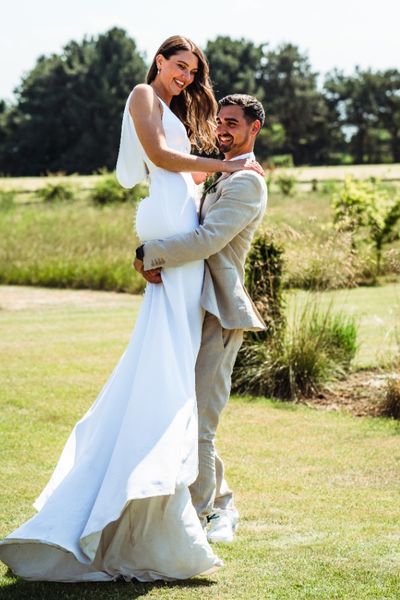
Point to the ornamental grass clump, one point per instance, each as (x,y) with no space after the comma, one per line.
(294,358)
(316,346)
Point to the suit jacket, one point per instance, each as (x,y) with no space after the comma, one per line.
(235,208)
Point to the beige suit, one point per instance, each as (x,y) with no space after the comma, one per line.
(229,216)
(235,207)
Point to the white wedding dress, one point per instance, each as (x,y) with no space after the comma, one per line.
(118,501)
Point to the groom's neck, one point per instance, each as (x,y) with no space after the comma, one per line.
(233,155)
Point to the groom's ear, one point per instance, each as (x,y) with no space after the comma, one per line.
(256,126)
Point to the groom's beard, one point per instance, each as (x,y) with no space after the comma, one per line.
(224,146)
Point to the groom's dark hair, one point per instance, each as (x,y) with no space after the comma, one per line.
(252,108)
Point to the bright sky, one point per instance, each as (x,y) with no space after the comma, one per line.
(342,34)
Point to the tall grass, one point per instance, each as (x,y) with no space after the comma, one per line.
(69,245)
(317,346)
(76,244)
(317,256)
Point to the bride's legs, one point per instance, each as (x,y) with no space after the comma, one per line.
(217,355)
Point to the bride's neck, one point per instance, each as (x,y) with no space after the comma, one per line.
(161,92)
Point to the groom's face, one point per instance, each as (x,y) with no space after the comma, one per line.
(235,134)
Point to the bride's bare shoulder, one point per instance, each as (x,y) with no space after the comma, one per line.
(142,93)
(143,100)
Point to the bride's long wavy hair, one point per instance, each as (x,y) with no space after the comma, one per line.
(195,106)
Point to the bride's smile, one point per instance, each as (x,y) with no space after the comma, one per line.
(175,74)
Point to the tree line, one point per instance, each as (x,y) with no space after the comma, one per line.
(67,110)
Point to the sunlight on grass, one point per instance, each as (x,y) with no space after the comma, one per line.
(317,491)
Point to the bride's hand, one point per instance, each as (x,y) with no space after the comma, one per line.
(199,177)
(247,164)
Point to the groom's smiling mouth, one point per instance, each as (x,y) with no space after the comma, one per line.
(224,140)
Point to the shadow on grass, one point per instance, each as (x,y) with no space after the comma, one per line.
(14,588)
(288,405)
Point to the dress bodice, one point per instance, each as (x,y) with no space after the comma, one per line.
(170,207)
(133,164)
(175,132)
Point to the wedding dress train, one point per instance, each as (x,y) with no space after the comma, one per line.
(118,502)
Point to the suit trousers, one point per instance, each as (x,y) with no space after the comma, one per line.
(215,361)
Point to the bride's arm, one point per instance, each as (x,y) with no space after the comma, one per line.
(146,114)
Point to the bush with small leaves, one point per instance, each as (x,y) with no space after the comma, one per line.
(367,206)
(108,190)
(263,280)
(289,360)
(286,183)
(56,192)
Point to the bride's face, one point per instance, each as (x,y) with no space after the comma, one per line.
(178,71)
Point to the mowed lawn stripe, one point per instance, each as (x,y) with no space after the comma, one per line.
(317,491)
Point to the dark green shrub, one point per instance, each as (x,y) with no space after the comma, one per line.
(296,359)
(286,183)
(108,190)
(263,279)
(56,192)
(390,405)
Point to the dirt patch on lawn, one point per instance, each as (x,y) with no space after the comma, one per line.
(360,394)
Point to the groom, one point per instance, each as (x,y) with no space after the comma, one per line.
(230,211)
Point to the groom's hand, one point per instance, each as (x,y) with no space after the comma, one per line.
(152,276)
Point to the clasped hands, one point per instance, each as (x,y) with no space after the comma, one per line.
(152,275)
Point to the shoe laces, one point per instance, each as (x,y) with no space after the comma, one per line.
(212,517)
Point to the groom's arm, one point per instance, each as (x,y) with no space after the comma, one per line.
(238,205)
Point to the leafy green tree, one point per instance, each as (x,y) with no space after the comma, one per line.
(234,65)
(368,103)
(388,93)
(69,107)
(293,100)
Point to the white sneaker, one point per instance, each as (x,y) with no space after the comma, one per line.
(222,525)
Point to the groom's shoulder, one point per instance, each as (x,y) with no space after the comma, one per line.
(249,180)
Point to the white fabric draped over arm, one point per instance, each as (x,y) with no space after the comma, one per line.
(131,168)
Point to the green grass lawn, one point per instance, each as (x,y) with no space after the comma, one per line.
(317,491)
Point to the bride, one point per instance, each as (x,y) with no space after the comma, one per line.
(118,502)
